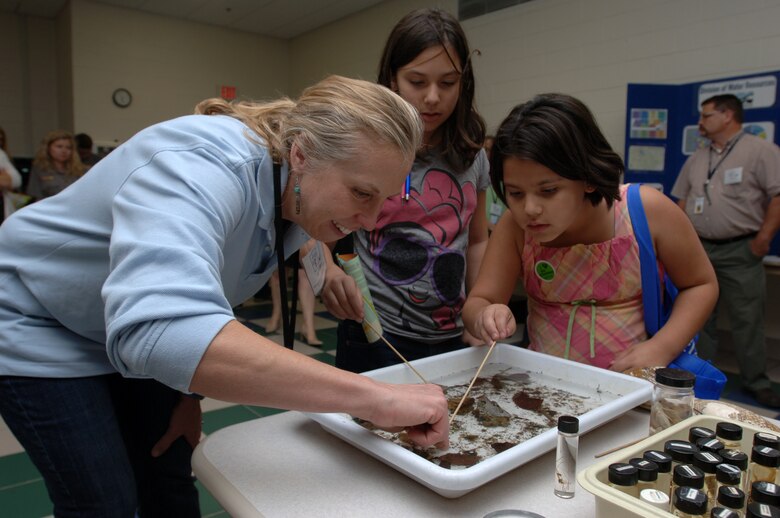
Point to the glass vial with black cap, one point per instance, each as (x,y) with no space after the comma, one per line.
(711,445)
(770,440)
(624,477)
(681,452)
(664,463)
(764,463)
(708,462)
(730,434)
(688,502)
(687,476)
(765,493)
(566,456)
(766,439)
(739,459)
(700,432)
(756,510)
(729,475)
(730,497)
(647,472)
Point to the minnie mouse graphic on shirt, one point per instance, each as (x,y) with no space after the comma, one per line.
(419,248)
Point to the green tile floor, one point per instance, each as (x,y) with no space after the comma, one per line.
(23,494)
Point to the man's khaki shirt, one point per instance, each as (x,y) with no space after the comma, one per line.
(735,201)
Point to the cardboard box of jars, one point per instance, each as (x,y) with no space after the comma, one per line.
(614,503)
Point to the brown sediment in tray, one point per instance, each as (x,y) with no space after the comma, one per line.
(458,459)
(502,446)
(503,409)
(467,406)
(527,402)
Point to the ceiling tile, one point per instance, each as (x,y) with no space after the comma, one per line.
(276,18)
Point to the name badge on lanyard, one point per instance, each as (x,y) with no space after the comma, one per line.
(314,265)
(698,205)
(732,176)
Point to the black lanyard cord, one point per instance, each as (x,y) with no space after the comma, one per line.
(711,170)
(288,314)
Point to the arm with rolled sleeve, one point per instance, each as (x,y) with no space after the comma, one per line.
(164,298)
(682,185)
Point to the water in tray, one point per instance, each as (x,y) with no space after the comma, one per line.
(505,407)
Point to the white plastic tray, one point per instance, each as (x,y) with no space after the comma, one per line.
(577,378)
(611,503)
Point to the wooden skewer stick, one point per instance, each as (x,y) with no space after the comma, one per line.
(396,352)
(472,381)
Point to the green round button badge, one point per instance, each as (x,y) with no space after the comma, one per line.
(544,270)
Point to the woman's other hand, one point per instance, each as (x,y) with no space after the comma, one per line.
(341,295)
(186,421)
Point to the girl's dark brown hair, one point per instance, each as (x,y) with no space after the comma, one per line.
(560,133)
(464,131)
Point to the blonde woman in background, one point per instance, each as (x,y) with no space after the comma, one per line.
(56,165)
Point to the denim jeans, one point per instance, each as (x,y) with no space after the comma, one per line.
(354,353)
(91,440)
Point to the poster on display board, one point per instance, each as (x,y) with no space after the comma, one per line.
(656,152)
(648,123)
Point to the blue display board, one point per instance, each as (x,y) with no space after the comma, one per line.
(662,123)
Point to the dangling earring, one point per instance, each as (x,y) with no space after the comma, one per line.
(297,190)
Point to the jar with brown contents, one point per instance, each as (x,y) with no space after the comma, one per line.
(672,398)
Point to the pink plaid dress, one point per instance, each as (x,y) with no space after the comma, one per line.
(585,301)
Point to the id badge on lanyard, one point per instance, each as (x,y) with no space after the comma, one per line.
(314,265)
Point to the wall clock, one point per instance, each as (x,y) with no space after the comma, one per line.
(122,97)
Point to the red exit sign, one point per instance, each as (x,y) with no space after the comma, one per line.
(228,93)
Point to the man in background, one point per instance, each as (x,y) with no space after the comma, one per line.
(84,148)
(731,192)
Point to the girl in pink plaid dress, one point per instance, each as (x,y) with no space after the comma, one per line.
(568,236)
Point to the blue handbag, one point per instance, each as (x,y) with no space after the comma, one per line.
(658,298)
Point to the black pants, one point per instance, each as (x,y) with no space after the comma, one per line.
(91,439)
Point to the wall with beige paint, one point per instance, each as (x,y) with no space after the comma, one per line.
(29,85)
(351,46)
(168,65)
(63,71)
(588,48)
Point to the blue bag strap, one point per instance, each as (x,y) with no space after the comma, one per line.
(651,298)
(709,380)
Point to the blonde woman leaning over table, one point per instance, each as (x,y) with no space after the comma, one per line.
(134,270)
(568,236)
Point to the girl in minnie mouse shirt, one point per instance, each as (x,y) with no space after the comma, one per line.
(426,248)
